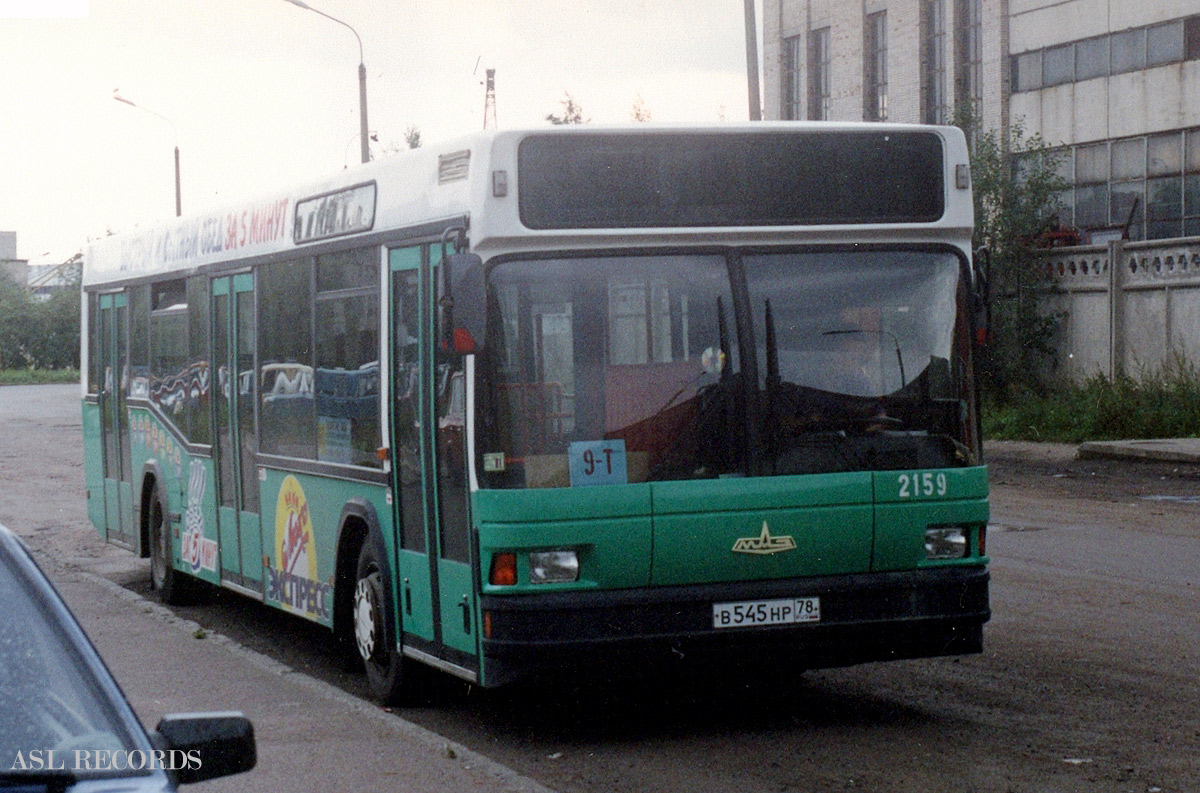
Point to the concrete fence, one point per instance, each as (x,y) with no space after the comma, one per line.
(1129,307)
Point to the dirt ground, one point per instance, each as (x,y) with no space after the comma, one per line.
(1087,681)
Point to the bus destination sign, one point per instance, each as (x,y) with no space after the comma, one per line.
(335,214)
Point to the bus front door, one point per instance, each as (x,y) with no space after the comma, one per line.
(114,420)
(436,591)
(236,439)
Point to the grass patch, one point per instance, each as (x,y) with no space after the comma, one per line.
(1165,404)
(38,376)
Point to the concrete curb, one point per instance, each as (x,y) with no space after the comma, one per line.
(506,779)
(1167,450)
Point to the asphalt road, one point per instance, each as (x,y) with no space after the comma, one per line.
(1087,681)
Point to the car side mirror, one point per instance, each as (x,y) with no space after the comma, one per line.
(212,744)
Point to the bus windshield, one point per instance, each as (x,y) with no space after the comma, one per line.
(726,364)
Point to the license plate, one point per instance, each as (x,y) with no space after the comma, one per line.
(787,611)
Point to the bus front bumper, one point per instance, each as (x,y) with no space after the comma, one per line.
(863,618)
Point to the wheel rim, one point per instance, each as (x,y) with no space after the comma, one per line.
(366,618)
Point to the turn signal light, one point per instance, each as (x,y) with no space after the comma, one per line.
(504,570)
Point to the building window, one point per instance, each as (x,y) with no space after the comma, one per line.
(969,90)
(1091,58)
(1091,186)
(1164,43)
(1128,51)
(1116,53)
(933,65)
(1149,183)
(1127,197)
(1027,71)
(818,74)
(1058,65)
(792,102)
(1191,184)
(875,83)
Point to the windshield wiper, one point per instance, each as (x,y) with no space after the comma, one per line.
(773,382)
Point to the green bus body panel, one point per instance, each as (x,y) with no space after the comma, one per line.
(900,532)
(93,467)
(613,553)
(911,501)
(416,603)
(610,528)
(678,533)
(576,503)
(231,558)
(456,595)
(925,485)
(300,515)
(251,547)
(112,511)
(826,518)
(199,554)
(153,447)
(775,492)
(698,548)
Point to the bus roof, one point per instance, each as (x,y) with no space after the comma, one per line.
(476,177)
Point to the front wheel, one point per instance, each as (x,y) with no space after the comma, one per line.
(385,666)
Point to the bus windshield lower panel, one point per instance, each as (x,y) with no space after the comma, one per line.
(612,369)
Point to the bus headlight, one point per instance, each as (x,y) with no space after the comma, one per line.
(946,542)
(553,567)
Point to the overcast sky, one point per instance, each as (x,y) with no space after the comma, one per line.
(261,94)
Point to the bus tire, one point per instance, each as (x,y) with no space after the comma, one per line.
(385,666)
(173,587)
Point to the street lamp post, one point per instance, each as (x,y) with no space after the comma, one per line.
(752,62)
(362,78)
(174,134)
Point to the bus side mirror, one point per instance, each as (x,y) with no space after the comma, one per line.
(466,313)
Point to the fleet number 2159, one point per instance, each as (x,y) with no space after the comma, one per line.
(922,484)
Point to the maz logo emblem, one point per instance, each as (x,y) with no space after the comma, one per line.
(764,544)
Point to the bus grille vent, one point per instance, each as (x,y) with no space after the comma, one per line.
(454,166)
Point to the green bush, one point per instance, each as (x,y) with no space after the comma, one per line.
(1160,404)
(38,376)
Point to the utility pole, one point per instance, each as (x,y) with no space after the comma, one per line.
(489,101)
(752,62)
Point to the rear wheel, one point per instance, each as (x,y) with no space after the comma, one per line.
(173,587)
(385,666)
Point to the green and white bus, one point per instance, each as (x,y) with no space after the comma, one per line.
(542,400)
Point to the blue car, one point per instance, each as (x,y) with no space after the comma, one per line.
(64,723)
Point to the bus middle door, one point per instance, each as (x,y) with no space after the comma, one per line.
(118,473)
(236,440)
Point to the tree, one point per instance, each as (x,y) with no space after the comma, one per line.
(1016,189)
(55,343)
(412,136)
(15,319)
(41,335)
(572,112)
